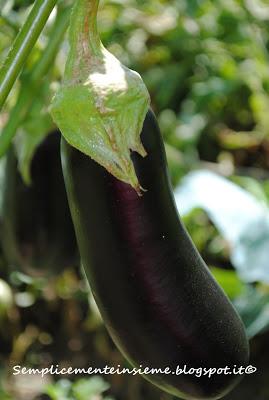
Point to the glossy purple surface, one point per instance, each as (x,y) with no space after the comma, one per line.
(157,297)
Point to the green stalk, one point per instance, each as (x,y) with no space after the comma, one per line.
(30,83)
(84,39)
(23,44)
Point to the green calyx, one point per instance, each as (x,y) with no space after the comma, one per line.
(101,105)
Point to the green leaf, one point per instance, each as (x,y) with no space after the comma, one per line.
(252,186)
(229,281)
(85,389)
(253,306)
(31,133)
(59,390)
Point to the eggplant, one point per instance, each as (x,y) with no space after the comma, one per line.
(37,232)
(158,299)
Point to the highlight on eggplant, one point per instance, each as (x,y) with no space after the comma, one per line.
(37,233)
(158,299)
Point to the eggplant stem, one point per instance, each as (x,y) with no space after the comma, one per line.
(83,25)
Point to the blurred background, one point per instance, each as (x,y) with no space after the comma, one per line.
(206,65)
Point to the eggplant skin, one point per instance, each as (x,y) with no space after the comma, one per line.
(158,299)
(37,232)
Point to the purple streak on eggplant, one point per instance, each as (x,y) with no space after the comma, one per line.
(157,297)
(37,232)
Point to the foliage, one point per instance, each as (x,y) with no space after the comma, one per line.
(82,389)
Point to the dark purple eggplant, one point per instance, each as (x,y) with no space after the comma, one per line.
(158,299)
(37,233)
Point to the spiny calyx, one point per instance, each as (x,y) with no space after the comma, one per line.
(101,105)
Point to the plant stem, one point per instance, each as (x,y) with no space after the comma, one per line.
(84,38)
(83,24)
(30,83)
(22,45)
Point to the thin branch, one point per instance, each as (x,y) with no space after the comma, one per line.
(22,45)
(31,82)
